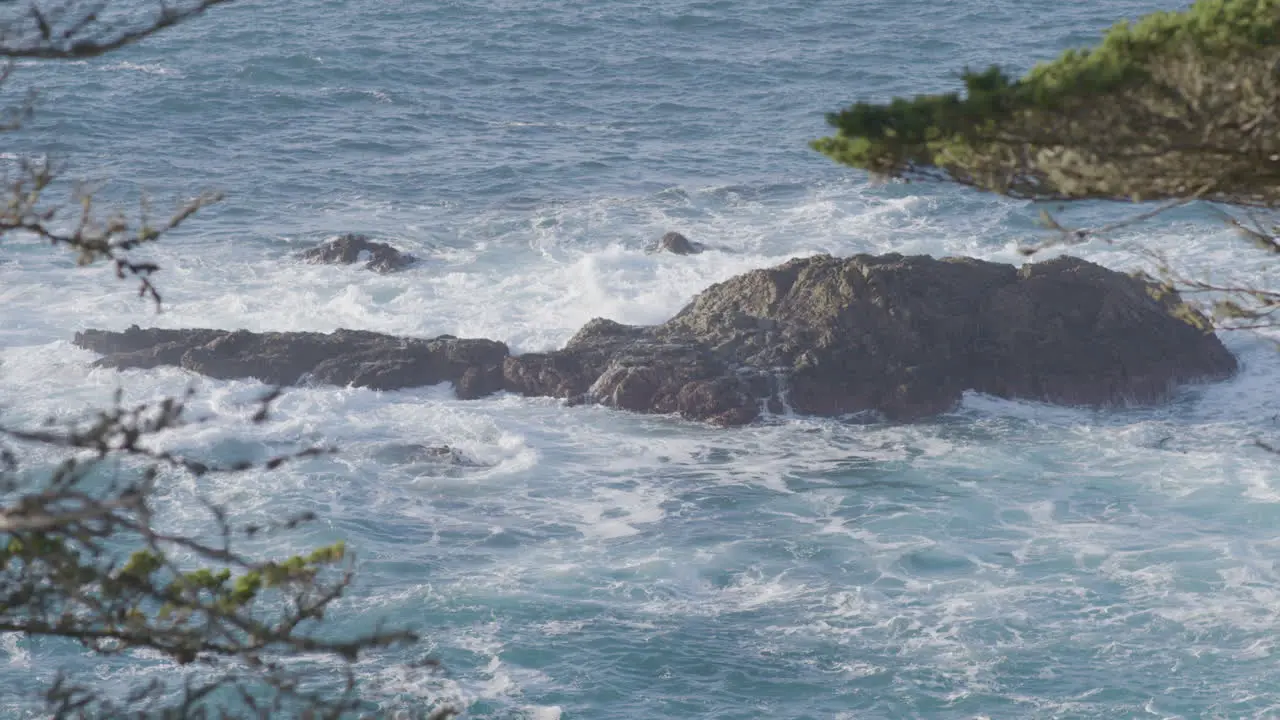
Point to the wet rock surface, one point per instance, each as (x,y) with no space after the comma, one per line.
(352,248)
(344,357)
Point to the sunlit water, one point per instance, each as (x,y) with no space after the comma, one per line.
(1009,560)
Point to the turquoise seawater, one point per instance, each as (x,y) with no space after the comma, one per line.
(1009,560)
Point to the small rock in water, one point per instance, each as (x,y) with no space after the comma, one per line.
(351,248)
(677,244)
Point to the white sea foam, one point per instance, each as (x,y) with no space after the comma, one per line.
(12,646)
(147,68)
(943,554)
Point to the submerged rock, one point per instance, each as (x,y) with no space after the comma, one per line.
(902,337)
(429,461)
(351,248)
(445,455)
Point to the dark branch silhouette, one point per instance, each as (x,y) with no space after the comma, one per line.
(76,30)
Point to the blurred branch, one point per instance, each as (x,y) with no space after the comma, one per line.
(1232,305)
(83,556)
(230,614)
(76,30)
(91,237)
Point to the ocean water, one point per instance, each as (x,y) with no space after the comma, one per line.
(1008,560)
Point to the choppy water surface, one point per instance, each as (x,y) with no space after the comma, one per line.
(1009,560)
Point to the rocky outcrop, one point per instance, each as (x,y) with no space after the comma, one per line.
(350,249)
(344,357)
(905,336)
(677,244)
(901,337)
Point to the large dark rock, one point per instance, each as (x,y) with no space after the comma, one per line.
(901,337)
(350,249)
(905,336)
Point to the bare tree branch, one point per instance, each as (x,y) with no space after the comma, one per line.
(81,35)
(84,556)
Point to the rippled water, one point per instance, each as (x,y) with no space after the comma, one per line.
(1009,560)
